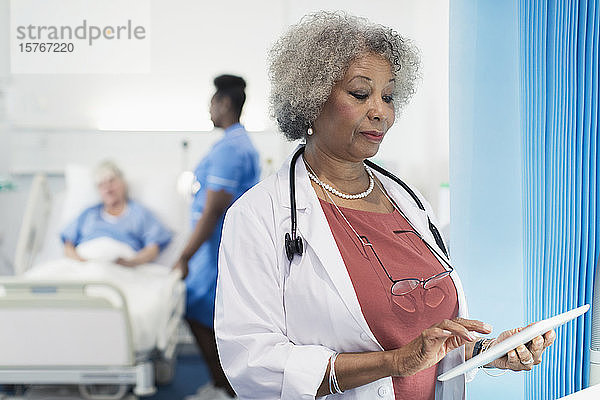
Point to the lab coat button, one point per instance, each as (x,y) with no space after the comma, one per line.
(383,390)
(307,210)
(364,336)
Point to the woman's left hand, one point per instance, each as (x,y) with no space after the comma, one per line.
(524,357)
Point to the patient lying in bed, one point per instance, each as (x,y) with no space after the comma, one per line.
(115,233)
(140,235)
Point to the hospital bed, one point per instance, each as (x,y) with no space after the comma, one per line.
(86,332)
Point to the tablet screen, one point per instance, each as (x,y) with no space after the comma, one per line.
(500,349)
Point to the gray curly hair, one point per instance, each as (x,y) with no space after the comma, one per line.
(314,54)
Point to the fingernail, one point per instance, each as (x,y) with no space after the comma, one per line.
(445,332)
(538,341)
(521,348)
(487,327)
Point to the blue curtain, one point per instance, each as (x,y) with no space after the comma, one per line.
(559,54)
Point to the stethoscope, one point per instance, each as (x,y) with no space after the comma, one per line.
(293,242)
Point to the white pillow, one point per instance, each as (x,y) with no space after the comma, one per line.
(81,192)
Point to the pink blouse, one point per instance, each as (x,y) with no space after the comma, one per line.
(394,320)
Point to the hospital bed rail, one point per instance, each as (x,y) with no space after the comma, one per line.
(34,224)
(52,334)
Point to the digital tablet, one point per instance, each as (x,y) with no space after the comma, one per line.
(513,342)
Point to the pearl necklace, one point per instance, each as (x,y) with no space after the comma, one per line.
(329,188)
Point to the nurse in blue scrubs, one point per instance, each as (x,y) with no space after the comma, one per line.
(230,168)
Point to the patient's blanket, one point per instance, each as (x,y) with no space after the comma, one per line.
(146,288)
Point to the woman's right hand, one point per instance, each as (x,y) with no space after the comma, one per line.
(71,252)
(435,342)
(182,266)
(76,257)
(357,369)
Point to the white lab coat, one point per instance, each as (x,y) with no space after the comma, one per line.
(277,323)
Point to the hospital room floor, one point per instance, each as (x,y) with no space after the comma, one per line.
(191,373)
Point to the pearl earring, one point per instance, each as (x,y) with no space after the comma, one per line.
(309,131)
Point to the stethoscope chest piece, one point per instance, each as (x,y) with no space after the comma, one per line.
(293,246)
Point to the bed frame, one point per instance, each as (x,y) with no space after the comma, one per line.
(46,324)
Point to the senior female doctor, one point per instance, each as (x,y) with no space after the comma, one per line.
(367,306)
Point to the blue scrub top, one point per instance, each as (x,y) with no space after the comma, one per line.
(232,165)
(137,227)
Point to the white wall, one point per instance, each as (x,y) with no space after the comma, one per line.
(54,119)
(4,72)
(194,41)
(191,43)
(4,149)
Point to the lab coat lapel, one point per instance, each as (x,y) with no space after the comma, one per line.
(316,235)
